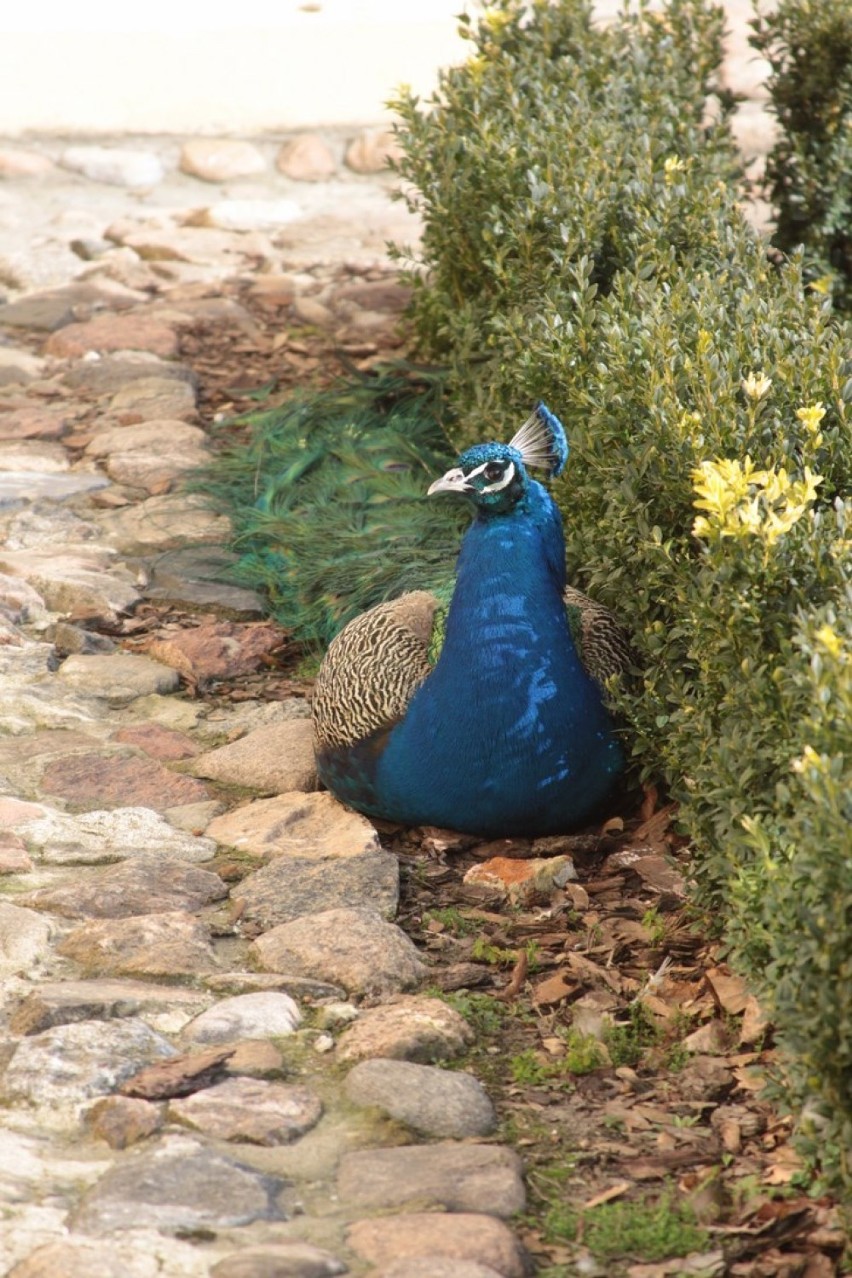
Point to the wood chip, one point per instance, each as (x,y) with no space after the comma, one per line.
(553,990)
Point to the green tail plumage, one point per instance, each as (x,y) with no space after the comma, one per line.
(328,500)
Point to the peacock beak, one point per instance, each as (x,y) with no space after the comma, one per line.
(455,481)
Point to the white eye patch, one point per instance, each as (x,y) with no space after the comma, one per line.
(500,483)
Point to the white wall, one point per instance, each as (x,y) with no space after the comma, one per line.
(187,66)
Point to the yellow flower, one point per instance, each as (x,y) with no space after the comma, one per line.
(808,759)
(828,638)
(811,416)
(496,21)
(672,166)
(756,385)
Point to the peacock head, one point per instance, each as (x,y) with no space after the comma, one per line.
(494,476)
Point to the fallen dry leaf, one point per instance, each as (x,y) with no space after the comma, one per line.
(607,1195)
(729,990)
(707,1264)
(755,1022)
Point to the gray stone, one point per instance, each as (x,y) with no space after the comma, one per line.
(72,1063)
(266,1014)
(479,1178)
(144,885)
(250,1109)
(68,638)
(292,886)
(354,948)
(410,1028)
(47,526)
(192,817)
(211,596)
(83,579)
(198,576)
(151,436)
(278,1260)
(63,1002)
(163,523)
(24,939)
(119,677)
(157,945)
(155,472)
(220,159)
(19,366)
(43,311)
(96,837)
(233,721)
(310,826)
(114,165)
(298,987)
(156,399)
(465,1236)
(274,760)
(113,374)
(180,1186)
(436,1102)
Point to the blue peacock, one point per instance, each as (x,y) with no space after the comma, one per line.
(471,698)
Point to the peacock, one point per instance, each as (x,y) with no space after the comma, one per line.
(470,697)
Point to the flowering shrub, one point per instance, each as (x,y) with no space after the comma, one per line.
(584,244)
(809,47)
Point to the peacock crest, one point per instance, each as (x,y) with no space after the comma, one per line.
(542,442)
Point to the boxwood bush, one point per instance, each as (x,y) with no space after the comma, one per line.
(808,44)
(584,243)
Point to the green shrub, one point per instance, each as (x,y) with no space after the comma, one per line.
(808,44)
(584,244)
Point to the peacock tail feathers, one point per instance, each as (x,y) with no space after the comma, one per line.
(328,500)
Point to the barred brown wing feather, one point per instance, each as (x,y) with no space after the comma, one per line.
(372,670)
(604,645)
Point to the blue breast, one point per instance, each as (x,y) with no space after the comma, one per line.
(508,735)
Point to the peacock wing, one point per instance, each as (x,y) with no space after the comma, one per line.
(602,642)
(372,670)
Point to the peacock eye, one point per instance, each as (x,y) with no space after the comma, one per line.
(493,470)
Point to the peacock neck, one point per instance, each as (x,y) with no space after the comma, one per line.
(508,597)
